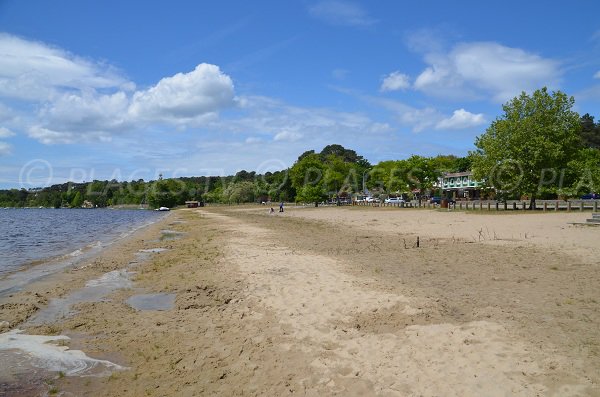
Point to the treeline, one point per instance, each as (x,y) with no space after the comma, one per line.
(243,187)
(538,148)
(333,172)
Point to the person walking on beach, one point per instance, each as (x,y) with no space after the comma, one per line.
(281,207)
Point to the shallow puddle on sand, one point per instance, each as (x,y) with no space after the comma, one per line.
(159,301)
(94,291)
(29,361)
(170,234)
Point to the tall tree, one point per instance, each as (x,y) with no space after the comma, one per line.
(308,177)
(590,132)
(347,155)
(524,150)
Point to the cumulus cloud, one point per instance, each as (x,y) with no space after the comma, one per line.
(185,97)
(178,100)
(79,100)
(482,69)
(395,81)
(82,117)
(341,13)
(5,132)
(31,70)
(461,119)
(5,149)
(288,136)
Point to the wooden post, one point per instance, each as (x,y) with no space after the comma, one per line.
(505,206)
(497,205)
(545,206)
(524,205)
(595,206)
(514,205)
(568,206)
(489,205)
(480,204)
(581,206)
(460,205)
(556,206)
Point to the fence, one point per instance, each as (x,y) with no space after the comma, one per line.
(492,205)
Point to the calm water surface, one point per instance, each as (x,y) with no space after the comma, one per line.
(31,236)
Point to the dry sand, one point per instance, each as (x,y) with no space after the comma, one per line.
(339,301)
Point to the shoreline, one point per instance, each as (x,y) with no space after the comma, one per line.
(46,280)
(337,301)
(15,279)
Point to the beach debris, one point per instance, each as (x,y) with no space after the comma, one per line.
(49,353)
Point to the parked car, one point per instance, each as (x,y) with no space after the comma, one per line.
(394,200)
(372,199)
(591,196)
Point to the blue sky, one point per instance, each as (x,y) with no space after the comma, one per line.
(134,89)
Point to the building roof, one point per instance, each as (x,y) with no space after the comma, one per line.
(457,174)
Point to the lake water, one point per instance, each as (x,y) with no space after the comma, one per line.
(34,236)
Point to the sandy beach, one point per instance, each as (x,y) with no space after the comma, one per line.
(323,301)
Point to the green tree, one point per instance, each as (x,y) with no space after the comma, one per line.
(421,172)
(524,150)
(240,192)
(583,173)
(164,193)
(77,201)
(307,176)
(590,132)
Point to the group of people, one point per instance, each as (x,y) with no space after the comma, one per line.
(272,211)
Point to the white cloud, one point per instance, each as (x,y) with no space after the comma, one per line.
(5,149)
(180,100)
(32,70)
(80,100)
(475,70)
(420,119)
(341,13)
(252,140)
(395,81)
(5,132)
(185,97)
(82,118)
(461,119)
(288,136)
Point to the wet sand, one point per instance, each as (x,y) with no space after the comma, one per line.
(334,301)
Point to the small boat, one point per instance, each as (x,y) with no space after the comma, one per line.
(163,209)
